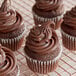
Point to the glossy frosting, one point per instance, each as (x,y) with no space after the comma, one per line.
(69,23)
(7,61)
(42,39)
(9,19)
(48,8)
(47,5)
(70,18)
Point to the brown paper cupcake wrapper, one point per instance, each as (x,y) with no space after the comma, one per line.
(39,20)
(16,72)
(69,41)
(14,43)
(43,67)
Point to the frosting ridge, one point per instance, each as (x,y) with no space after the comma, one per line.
(8,63)
(70,18)
(9,19)
(47,5)
(41,39)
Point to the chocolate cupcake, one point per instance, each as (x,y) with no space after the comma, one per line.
(42,49)
(8,63)
(12,28)
(68,29)
(48,10)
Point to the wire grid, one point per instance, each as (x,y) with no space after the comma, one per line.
(67,63)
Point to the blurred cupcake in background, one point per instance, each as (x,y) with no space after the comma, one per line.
(48,10)
(42,49)
(12,28)
(68,30)
(8,63)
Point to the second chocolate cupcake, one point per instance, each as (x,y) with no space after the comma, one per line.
(12,28)
(42,49)
(68,29)
(48,10)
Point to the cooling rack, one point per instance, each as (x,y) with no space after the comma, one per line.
(67,63)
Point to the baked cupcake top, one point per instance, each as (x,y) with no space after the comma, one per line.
(7,61)
(54,7)
(9,19)
(69,23)
(41,41)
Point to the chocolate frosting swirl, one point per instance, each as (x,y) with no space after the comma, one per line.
(7,61)
(9,19)
(70,18)
(41,39)
(47,5)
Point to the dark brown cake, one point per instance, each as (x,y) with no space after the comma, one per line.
(42,49)
(48,10)
(12,28)
(68,29)
(8,63)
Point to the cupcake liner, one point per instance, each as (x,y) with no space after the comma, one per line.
(69,41)
(43,67)
(39,20)
(16,72)
(13,43)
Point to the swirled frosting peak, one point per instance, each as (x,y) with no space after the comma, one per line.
(47,5)
(7,15)
(7,61)
(5,6)
(42,33)
(40,39)
(70,18)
